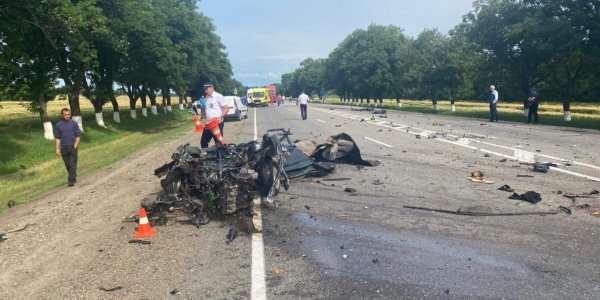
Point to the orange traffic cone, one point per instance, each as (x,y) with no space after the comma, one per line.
(199,126)
(144,229)
(213,126)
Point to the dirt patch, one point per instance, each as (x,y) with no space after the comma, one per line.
(76,241)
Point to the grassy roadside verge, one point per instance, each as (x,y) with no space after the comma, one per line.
(30,168)
(583,115)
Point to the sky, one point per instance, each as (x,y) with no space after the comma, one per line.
(267,38)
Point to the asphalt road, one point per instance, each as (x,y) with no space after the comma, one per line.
(331,245)
(323,243)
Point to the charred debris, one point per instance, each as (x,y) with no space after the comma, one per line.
(221,180)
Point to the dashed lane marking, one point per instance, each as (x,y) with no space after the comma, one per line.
(259,287)
(419,131)
(378,142)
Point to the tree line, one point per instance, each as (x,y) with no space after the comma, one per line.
(144,48)
(552,45)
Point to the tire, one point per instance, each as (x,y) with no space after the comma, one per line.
(266,177)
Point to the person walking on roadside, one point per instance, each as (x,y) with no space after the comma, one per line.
(493,103)
(67,137)
(214,108)
(533,105)
(303,101)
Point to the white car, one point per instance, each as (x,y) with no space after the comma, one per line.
(237,110)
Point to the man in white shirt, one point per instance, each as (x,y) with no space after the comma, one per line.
(215,108)
(303,100)
(493,103)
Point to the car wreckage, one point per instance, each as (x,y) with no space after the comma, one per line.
(223,179)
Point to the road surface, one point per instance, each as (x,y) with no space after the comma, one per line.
(323,243)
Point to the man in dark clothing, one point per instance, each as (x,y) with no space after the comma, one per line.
(67,136)
(534,102)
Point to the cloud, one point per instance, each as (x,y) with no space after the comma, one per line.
(267,75)
(287,57)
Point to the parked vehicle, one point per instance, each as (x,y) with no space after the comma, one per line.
(237,110)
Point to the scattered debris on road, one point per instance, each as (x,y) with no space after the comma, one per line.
(350,190)
(175,292)
(477,177)
(592,194)
(223,179)
(529,196)
(565,210)
(136,241)
(231,235)
(593,210)
(482,214)
(541,168)
(525,176)
(11,204)
(3,234)
(506,188)
(368,108)
(110,289)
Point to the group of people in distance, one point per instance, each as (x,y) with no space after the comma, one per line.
(533,101)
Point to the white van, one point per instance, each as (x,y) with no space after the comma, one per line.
(237,110)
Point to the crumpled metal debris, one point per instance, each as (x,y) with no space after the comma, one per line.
(221,179)
(224,179)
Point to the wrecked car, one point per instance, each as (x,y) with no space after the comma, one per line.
(221,179)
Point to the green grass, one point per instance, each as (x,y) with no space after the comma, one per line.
(582,115)
(30,167)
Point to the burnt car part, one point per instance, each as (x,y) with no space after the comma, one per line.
(221,179)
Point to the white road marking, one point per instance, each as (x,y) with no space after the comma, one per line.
(378,142)
(255,131)
(321,121)
(259,286)
(575,174)
(464,141)
(542,155)
(407,129)
(525,156)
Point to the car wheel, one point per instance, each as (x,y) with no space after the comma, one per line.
(239,117)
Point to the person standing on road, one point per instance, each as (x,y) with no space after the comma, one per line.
(533,105)
(303,101)
(215,108)
(493,103)
(67,137)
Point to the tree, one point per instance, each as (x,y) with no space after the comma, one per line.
(27,63)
